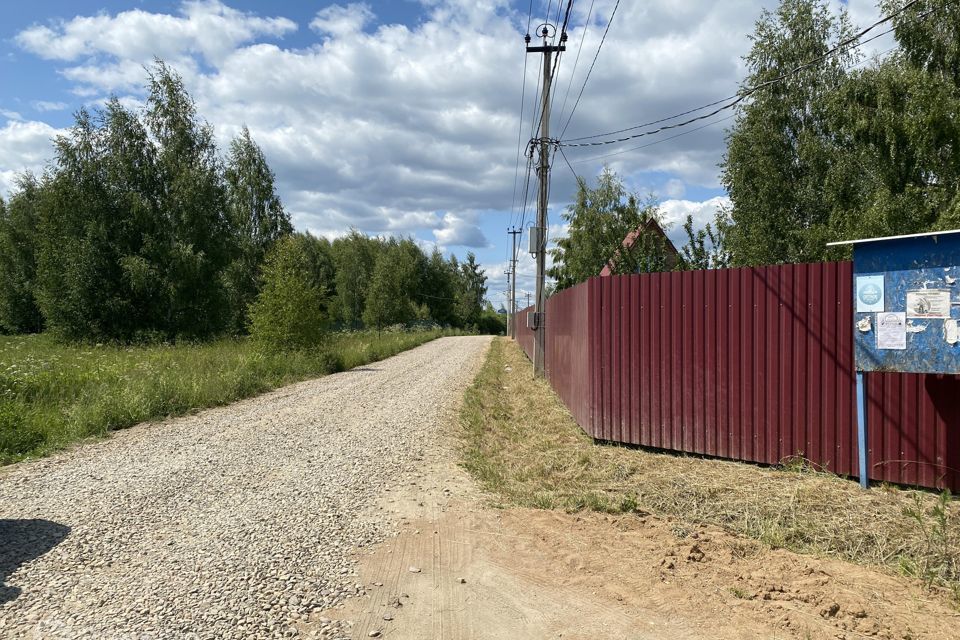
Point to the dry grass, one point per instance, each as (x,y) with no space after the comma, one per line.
(522,444)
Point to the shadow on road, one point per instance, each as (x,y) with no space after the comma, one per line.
(22,541)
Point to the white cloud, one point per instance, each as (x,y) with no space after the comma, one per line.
(24,146)
(44,105)
(338,20)
(382,126)
(206,27)
(460,230)
(675,213)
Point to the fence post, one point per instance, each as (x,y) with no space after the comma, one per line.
(862,427)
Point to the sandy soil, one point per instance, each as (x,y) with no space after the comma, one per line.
(490,573)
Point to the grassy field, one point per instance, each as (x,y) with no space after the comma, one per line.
(523,446)
(53,394)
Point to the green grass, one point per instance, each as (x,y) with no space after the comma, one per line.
(523,446)
(52,394)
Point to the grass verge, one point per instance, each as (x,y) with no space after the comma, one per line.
(522,445)
(53,394)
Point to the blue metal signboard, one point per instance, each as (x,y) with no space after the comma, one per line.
(906,311)
(907,303)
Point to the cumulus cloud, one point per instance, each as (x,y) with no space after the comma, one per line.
(205,27)
(460,230)
(381,126)
(338,20)
(675,213)
(24,146)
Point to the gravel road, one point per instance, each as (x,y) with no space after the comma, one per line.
(236,522)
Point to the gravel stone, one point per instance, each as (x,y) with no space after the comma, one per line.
(231,523)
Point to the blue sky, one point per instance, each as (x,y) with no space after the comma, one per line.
(395,117)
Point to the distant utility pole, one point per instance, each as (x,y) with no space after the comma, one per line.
(512,328)
(509,306)
(538,233)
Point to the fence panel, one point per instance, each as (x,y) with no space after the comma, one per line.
(752,364)
(567,352)
(742,364)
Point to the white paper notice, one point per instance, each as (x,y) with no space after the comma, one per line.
(892,330)
(950,332)
(928,303)
(869,293)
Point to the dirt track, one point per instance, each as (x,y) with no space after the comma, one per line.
(548,574)
(303,511)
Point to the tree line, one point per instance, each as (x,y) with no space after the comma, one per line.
(843,149)
(848,148)
(140,231)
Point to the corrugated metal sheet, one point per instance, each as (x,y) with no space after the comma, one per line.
(747,364)
(567,354)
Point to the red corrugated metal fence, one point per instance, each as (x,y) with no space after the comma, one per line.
(752,364)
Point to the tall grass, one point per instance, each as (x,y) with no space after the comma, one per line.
(53,394)
(523,446)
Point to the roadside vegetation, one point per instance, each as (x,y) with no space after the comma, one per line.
(524,447)
(53,394)
(145,274)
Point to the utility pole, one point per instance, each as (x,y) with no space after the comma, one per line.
(509,306)
(512,329)
(538,239)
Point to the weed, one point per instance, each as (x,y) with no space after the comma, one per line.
(52,394)
(739,593)
(938,560)
(522,444)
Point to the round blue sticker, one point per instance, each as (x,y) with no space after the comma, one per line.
(870,293)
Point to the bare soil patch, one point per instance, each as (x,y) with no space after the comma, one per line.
(499,574)
(468,562)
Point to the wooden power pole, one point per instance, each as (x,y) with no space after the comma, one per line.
(512,328)
(538,233)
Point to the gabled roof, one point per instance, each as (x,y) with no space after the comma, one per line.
(650,226)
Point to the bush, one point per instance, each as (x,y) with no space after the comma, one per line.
(288,312)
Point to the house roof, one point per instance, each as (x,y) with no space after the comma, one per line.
(650,226)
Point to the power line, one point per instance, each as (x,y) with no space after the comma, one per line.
(523,92)
(874,57)
(590,70)
(743,94)
(576,61)
(650,144)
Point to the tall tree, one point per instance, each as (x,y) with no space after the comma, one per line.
(101,239)
(780,148)
(256,216)
(354,256)
(194,201)
(394,284)
(600,219)
(439,288)
(471,289)
(18,235)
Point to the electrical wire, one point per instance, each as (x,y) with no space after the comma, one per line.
(576,60)
(590,70)
(523,92)
(745,93)
(874,57)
